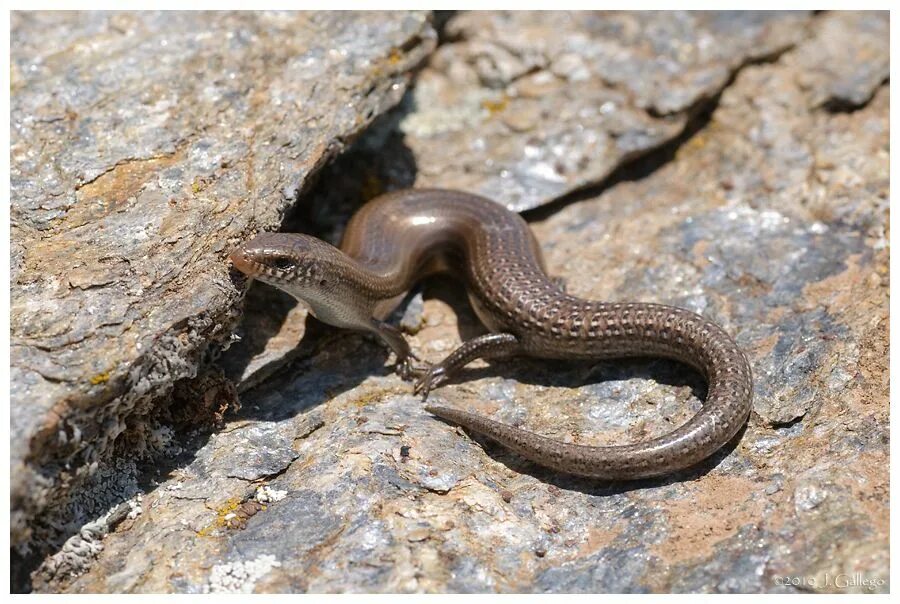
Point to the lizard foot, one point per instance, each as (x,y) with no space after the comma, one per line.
(431,379)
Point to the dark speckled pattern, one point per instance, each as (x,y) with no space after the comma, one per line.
(398,238)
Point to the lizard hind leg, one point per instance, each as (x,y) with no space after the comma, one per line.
(491,345)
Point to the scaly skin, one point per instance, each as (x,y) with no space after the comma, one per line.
(399,238)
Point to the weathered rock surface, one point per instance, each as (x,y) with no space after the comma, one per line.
(144,146)
(535,104)
(770,219)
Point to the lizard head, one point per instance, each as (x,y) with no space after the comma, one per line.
(308,268)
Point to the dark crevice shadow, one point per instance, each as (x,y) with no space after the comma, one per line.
(378,161)
(647,162)
(20,568)
(149,472)
(265,313)
(837,104)
(634,169)
(322,386)
(321,338)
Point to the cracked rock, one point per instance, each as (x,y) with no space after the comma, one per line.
(524,107)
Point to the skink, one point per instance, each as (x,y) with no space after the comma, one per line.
(401,237)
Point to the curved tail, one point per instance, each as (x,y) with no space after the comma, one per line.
(724,412)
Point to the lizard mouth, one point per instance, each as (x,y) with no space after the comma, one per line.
(243,262)
(257,265)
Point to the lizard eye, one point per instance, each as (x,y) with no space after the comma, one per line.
(323,283)
(283,264)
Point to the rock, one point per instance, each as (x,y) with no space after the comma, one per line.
(144,147)
(524,107)
(849,62)
(770,218)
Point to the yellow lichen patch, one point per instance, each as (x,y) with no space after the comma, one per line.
(100,378)
(495,106)
(696,142)
(699,141)
(373,396)
(395,57)
(200,183)
(221,521)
